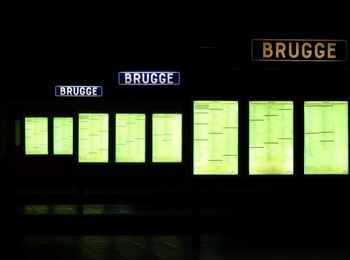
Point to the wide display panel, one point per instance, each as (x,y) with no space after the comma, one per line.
(130,137)
(63,135)
(167,138)
(93,138)
(270,137)
(215,139)
(326,137)
(36,135)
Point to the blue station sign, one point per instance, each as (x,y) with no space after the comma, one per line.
(78,91)
(147,78)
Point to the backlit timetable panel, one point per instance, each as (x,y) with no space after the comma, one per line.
(63,135)
(93,138)
(215,137)
(326,137)
(271,137)
(166,137)
(130,137)
(36,135)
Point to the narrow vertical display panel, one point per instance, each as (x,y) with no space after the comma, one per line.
(63,136)
(17,133)
(167,138)
(326,137)
(93,138)
(130,138)
(215,139)
(36,135)
(270,137)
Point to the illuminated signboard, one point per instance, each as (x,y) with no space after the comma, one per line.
(166,137)
(93,137)
(78,91)
(157,78)
(270,137)
(36,135)
(215,140)
(326,137)
(299,50)
(63,135)
(130,137)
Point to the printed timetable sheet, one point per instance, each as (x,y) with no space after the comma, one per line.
(93,137)
(271,137)
(166,137)
(130,137)
(63,135)
(215,137)
(326,137)
(36,135)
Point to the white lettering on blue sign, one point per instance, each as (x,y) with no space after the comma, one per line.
(78,91)
(137,78)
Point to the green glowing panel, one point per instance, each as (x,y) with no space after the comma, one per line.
(35,209)
(93,138)
(36,135)
(167,137)
(63,135)
(95,209)
(270,137)
(130,137)
(326,137)
(215,140)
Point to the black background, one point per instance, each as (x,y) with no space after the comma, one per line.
(210,45)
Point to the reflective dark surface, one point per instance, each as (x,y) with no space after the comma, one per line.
(164,248)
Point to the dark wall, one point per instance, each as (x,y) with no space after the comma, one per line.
(210,46)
